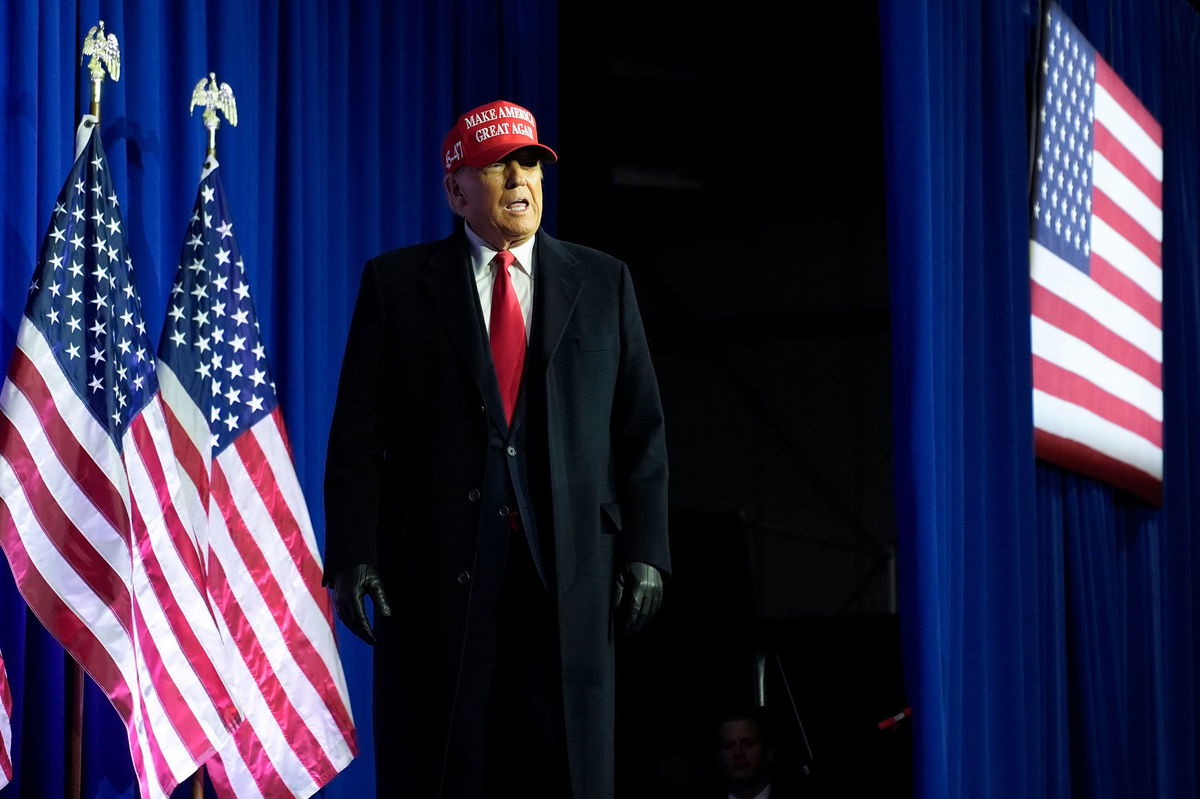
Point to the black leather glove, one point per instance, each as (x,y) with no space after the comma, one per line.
(641,585)
(350,583)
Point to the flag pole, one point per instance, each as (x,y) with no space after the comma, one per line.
(213,98)
(105,55)
(74,729)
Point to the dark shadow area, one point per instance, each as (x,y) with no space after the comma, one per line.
(736,164)
(827,682)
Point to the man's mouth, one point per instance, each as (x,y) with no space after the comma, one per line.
(517,206)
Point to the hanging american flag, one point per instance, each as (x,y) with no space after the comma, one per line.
(264,566)
(1096,270)
(89,517)
(6,769)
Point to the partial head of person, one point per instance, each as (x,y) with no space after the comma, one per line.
(744,753)
(493,164)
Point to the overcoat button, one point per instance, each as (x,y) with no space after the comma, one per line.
(504,511)
(483,409)
(473,495)
(512,451)
(464,577)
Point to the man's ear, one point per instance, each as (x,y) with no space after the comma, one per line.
(454,193)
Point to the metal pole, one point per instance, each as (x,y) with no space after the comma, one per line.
(73,784)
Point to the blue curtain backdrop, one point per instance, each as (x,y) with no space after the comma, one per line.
(342,108)
(1049,621)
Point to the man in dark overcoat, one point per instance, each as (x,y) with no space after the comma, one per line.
(497,483)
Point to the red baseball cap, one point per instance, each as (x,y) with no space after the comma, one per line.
(486,134)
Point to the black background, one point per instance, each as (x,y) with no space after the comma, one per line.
(734,160)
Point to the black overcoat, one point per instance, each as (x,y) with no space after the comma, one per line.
(417,405)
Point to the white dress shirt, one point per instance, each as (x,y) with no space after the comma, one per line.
(521,274)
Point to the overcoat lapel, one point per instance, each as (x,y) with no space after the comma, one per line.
(456,299)
(559,281)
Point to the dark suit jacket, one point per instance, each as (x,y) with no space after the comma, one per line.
(417,418)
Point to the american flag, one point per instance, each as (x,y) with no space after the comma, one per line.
(6,769)
(90,518)
(264,566)
(1096,270)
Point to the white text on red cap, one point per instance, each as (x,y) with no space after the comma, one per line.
(492,114)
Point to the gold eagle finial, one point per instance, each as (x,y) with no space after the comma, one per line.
(214,98)
(105,52)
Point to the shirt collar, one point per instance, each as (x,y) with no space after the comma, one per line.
(482,253)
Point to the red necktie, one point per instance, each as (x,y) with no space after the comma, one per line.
(507,333)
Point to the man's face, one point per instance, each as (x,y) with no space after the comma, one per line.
(743,754)
(501,202)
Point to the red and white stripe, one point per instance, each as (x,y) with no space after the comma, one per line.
(1097,340)
(6,767)
(102,555)
(264,577)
